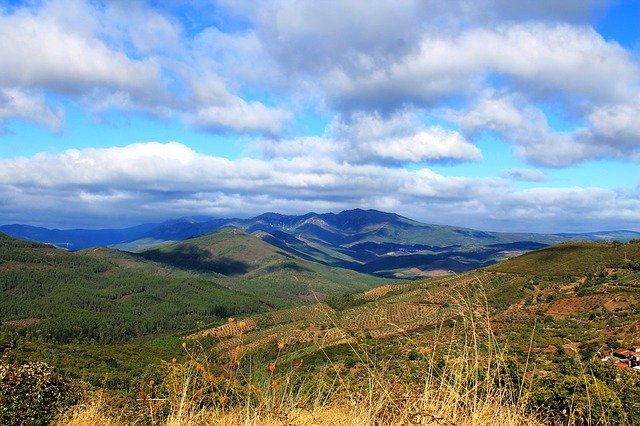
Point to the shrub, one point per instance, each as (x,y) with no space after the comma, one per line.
(343,301)
(32,394)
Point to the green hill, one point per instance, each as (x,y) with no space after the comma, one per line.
(253,266)
(575,259)
(588,293)
(104,296)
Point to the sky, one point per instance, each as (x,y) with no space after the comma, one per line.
(503,115)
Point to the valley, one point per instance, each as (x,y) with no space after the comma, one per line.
(368,241)
(229,302)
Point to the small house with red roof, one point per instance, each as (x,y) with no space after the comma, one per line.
(625,357)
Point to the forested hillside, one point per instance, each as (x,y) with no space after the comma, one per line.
(104,296)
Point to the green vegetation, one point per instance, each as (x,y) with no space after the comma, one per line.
(343,301)
(255,267)
(99,297)
(573,259)
(512,337)
(32,394)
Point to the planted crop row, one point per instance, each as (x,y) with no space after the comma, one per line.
(229,329)
(382,291)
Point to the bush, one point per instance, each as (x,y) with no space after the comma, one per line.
(32,394)
(343,301)
(587,393)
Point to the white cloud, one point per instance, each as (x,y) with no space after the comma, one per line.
(168,180)
(432,144)
(240,116)
(312,36)
(15,103)
(39,51)
(317,147)
(400,138)
(371,139)
(136,26)
(610,131)
(122,57)
(618,124)
(534,57)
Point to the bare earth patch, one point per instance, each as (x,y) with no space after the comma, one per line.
(22,322)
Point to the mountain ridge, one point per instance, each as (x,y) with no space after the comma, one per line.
(369,241)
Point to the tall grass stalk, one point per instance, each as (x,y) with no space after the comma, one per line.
(461,376)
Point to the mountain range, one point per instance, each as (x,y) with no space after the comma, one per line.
(368,241)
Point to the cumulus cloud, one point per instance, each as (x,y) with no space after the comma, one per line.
(400,138)
(523,125)
(240,116)
(434,143)
(350,56)
(430,54)
(610,131)
(371,139)
(536,57)
(165,180)
(116,57)
(39,50)
(617,124)
(15,103)
(311,37)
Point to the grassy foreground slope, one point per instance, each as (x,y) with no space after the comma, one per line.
(509,344)
(512,344)
(519,338)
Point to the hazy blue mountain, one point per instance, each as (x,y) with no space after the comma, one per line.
(76,239)
(371,241)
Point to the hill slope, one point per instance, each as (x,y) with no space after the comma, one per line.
(370,241)
(253,266)
(569,297)
(104,296)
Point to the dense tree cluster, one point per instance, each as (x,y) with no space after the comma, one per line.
(74,297)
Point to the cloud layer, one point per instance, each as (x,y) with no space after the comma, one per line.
(392,92)
(138,181)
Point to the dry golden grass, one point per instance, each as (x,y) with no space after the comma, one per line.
(93,412)
(455,387)
(489,414)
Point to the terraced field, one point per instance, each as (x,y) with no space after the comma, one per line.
(378,292)
(395,309)
(567,305)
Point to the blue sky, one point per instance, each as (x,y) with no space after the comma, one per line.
(493,114)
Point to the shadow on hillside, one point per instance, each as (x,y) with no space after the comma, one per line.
(194,258)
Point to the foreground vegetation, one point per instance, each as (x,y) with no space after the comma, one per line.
(515,343)
(103,296)
(458,374)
